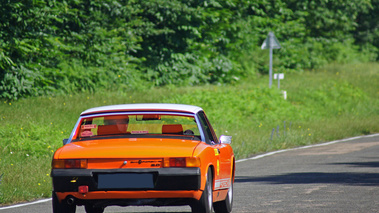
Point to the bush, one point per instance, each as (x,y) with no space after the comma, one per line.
(76,45)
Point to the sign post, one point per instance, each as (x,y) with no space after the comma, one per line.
(270,43)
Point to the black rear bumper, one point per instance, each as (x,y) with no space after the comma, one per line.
(68,180)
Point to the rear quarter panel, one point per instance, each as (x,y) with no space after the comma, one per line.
(209,157)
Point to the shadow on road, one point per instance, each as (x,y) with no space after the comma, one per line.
(374,164)
(344,178)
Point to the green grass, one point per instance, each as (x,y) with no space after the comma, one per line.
(335,102)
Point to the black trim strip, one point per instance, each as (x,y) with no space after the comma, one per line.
(68,180)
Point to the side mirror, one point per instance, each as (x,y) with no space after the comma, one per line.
(65,141)
(225,139)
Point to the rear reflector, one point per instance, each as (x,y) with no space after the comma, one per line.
(83,189)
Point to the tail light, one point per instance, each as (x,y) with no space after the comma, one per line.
(182,162)
(177,162)
(69,164)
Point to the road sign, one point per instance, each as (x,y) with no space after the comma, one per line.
(279,76)
(271,43)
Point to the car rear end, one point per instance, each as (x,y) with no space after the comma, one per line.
(129,158)
(147,181)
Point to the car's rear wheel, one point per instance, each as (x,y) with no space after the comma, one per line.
(62,207)
(205,204)
(91,209)
(226,205)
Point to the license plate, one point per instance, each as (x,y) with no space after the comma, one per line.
(125,181)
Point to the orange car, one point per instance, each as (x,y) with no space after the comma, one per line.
(143,154)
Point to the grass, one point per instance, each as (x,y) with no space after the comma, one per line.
(334,102)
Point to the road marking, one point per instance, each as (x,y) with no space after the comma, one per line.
(305,147)
(337,150)
(25,204)
(241,160)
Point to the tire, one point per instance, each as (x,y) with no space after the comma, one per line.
(226,205)
(205,204)
(91,209)
(62,207)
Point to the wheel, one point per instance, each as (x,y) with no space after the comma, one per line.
(205,204)
(91,209)
(226,205)
(62,207)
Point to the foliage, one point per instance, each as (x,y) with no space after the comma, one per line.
(68,45)
(52,47)
(367,32)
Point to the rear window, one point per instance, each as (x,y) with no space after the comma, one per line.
(138,125)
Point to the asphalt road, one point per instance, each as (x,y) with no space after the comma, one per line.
(338,177)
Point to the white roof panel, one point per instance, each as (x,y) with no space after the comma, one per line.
(144,107)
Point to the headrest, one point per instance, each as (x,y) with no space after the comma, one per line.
(172,129)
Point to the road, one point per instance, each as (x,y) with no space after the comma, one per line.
(338,177)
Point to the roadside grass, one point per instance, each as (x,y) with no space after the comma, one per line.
(335,102)
(24,178)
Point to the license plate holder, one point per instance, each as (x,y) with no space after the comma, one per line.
(125,181)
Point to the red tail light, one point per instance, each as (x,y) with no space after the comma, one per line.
(182,162)
(70,164)
(177,162)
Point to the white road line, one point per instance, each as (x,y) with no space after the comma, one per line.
(241,160)
(305,147)
(25,204)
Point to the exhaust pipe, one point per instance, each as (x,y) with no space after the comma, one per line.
(71,201)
